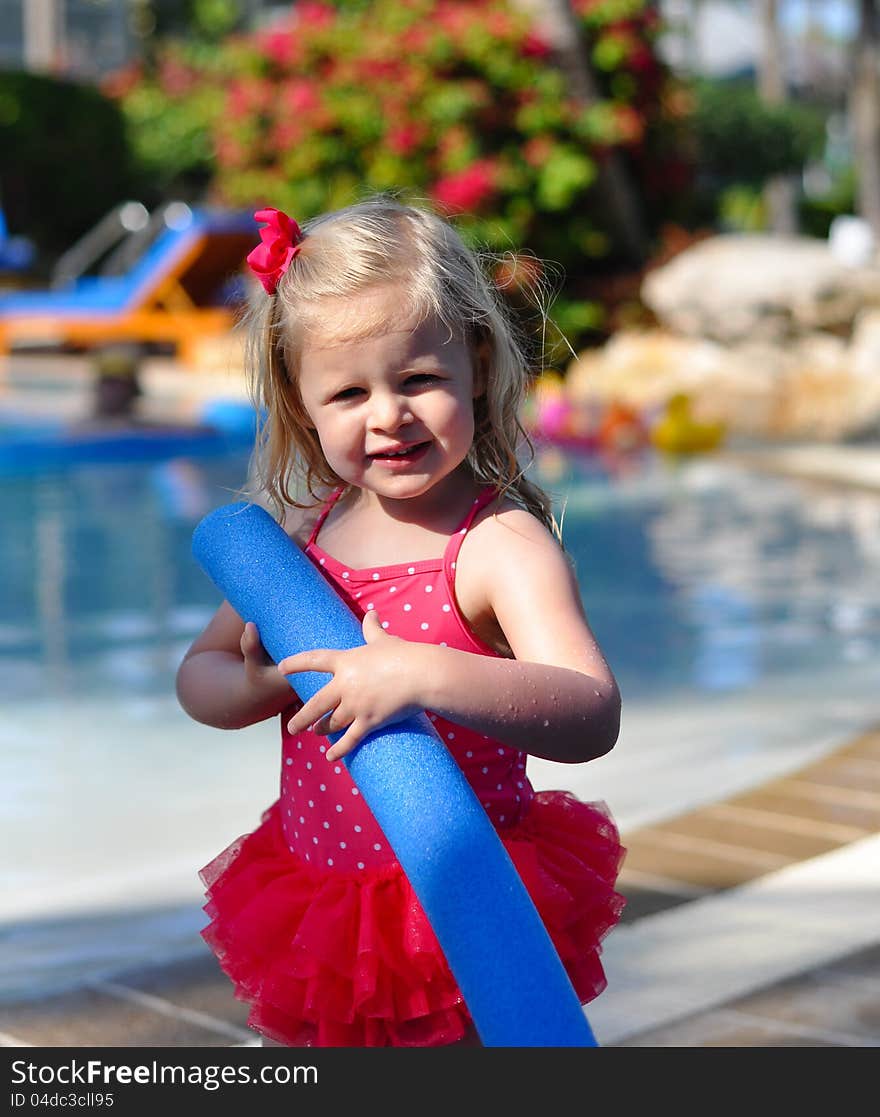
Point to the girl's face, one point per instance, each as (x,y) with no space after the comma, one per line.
(394,410)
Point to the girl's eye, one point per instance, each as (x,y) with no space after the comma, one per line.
(421,378)
(348,393)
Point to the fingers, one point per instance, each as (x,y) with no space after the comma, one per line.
(321,659)
(250,639)
(346,743)
(324,721)
(252,648)
(325,659)
(318,712)
(332,722)
(371,626)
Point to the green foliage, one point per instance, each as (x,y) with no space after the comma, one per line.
(741,208)
(572,318)
(64,158)
(167,119)
(216,18)
(452,100)
(742,139)
(205,20)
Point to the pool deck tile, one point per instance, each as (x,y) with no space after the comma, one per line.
(837,1005)
(678,865)
(730,843)
(781,799)
(194,984)
(717,828)
(90,1017)
(642,901)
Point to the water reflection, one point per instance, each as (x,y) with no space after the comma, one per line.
(49,583)
(99,589)
(694,576)
(704,576)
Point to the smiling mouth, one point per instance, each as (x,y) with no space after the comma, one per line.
(401,455)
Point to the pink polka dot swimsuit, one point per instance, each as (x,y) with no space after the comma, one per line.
(324,819)
(312,916)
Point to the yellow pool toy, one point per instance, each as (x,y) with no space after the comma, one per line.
(678,432)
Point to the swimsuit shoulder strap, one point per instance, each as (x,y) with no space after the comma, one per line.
(328,504)
(488,494)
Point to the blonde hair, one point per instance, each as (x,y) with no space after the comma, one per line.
(372,243)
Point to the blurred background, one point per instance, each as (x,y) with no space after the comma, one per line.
(587,143)
(680,202)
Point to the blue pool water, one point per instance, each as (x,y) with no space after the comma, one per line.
(739,613)
(694,576)
(100,590)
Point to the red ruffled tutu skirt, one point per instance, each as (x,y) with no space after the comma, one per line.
(349,959)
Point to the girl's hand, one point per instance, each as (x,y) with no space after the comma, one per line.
(259,668)
(372,686)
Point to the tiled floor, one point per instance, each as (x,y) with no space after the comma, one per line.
(819,808)
(832,1006)
(715,850)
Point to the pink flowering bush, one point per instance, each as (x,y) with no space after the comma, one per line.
(457,101)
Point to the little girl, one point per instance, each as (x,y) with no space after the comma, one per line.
(391,381)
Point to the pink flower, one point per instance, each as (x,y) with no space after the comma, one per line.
(248,96)
(176,78)
(467,189)
(312,13)
(404,139)
(300,96)
(534,46)
(453,18)
(281,237)
(230,153)
(281,46)
(286,134)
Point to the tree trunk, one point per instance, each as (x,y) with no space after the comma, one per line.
(695,55)
(43,33)
(780,193)
(614,185)
(865,114)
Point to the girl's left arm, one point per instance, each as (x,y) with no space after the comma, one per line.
(556,699)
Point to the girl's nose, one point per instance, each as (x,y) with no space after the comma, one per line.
(390,411)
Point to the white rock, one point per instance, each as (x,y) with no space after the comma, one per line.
(817,386)
(738,287)
(851,241)
(864,359)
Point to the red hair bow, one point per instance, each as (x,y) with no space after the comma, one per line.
(281,237)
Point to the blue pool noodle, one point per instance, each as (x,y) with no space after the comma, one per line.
(512,980)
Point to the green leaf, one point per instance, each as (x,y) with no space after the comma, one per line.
(566,174)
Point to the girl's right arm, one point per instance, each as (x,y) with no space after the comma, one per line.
(226,678)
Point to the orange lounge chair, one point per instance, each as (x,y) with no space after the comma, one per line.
(172,295)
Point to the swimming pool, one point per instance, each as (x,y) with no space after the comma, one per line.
(738,611)
(695,576)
